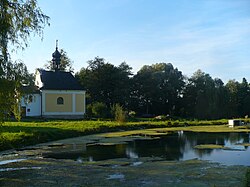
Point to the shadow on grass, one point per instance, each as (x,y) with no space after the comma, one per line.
(19,136)
(15,136)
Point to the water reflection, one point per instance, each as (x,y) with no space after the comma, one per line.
(174,146)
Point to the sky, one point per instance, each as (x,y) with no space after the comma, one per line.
(211,35)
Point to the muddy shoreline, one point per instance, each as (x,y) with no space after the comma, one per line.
(121,172)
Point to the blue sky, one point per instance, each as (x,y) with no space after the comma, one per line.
(211,35)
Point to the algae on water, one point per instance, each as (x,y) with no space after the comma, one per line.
(209,146)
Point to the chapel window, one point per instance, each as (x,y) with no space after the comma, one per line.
(30,99)
(60,101)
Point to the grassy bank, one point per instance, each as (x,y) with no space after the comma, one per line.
(18,134)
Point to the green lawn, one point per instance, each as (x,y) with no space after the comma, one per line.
(19,134)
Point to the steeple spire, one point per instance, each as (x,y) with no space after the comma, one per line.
(56,58)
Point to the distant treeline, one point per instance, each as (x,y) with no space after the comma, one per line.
(161,89)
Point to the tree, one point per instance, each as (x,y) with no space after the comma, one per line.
(204,97)
(157,89)
(10,95)
(221,100)
(6,95)
(233,103)
(65,64)
(18,19)
(244,98)
(105,82)
(239,98)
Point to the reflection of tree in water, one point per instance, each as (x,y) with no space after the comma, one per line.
(173,146)
(233,137)
(213,138)
(206,138)
(203,152)
(194,138)
(238,138)
(169,147)
(246,137)
(104,152)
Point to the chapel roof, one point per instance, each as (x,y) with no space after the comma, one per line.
(58,80)
(31,89)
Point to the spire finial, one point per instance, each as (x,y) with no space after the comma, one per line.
(56,44)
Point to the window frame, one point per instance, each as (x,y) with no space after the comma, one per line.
(60,101)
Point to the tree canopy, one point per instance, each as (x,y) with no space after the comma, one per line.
(105,82)
(161,89)
(18,19)
(157,88)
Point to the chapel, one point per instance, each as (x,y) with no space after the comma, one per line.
(57,94)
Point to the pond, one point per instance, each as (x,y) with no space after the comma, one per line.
(231,149)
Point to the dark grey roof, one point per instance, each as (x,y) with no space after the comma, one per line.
(30,89)
(59,80)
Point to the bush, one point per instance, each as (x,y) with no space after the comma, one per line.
(132,114)
(99,110)
(118,113)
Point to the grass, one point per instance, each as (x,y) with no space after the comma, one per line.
(19,134)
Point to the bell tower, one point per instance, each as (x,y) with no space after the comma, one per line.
(56,58)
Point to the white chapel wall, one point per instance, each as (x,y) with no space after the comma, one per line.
(33,106)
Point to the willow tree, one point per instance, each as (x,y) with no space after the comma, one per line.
(18,19)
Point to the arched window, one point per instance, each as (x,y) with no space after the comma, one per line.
(60,101)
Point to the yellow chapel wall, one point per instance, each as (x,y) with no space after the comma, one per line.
(80,103)
(52,106)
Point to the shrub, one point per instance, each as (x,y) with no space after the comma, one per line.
(118,113)
(99,110)
(132,114)
(89,113)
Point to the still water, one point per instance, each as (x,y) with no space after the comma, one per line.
(175,146)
